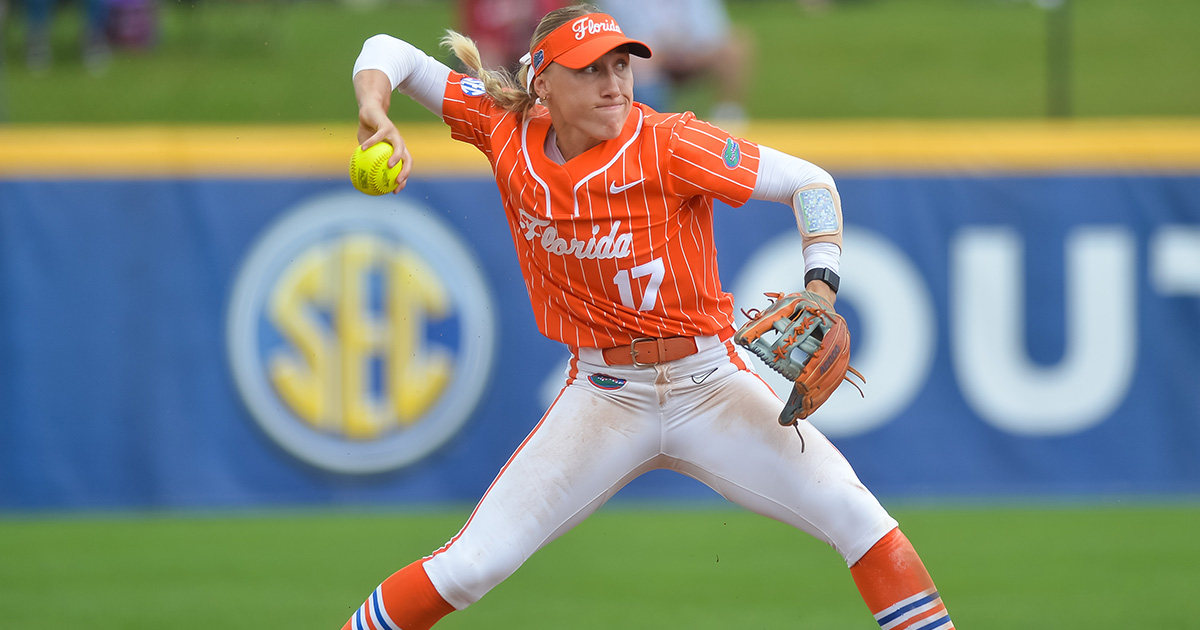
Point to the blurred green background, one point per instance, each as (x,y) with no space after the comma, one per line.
(274,61)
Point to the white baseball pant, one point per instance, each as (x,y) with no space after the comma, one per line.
(708,416)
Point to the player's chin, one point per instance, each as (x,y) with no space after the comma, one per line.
(611,120)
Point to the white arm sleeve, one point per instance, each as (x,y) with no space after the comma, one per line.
(414,73)
(779,177)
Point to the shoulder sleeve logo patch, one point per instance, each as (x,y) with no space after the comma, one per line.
(732,153)
(472,86)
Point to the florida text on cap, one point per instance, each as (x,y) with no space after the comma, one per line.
(582,41)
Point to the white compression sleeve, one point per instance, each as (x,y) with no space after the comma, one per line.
(779,176)
(414,73)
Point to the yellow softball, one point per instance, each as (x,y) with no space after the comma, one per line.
(369,171)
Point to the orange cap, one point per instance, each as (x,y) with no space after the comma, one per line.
(582,41)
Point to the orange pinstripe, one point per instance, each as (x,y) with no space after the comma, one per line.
(736,358)
(617,243)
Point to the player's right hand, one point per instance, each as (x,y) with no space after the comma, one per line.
(374,127)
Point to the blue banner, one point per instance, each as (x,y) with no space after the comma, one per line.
(208,342)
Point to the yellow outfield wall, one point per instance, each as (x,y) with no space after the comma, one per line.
(65,152)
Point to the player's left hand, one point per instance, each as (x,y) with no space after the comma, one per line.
(800,336)
(823,290)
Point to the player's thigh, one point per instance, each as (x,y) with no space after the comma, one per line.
(736,445)
(586,447)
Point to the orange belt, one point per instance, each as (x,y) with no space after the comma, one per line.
(650,351)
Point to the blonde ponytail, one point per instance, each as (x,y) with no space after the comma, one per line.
(506,90)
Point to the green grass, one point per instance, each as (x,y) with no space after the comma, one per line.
(1086,567)
(267,61)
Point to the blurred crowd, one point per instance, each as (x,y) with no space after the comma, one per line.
(105,24)
(692,40)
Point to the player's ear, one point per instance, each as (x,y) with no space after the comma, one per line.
(541,87)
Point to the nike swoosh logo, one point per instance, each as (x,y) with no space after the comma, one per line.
(614,188)
(700,378)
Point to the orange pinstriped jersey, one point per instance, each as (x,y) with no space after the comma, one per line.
(617,243)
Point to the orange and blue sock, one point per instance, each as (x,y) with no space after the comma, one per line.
(897,588)
(406,600)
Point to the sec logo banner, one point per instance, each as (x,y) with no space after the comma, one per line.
(360,333)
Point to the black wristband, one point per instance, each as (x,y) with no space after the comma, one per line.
(824,274)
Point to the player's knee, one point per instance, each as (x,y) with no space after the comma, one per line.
(469,573)
(851,520)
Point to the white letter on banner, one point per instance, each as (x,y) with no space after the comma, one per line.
(1175,260)
(988,331)
(894,311)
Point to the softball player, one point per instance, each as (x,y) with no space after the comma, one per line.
(610,204)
